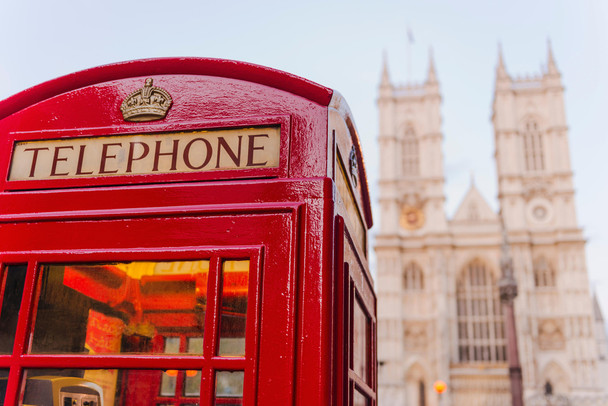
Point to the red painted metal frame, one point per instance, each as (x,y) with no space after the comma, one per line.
(288,214)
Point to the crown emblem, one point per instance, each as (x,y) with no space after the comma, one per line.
(146,104)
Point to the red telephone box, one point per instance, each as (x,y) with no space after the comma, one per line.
(184,232)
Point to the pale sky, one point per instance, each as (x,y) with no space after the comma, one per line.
(340,44)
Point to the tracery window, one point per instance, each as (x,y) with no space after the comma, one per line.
(413,277)
(409,152)
(481,330)
(533,147)
(544,275)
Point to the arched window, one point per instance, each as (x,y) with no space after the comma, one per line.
(544,275)
(421,394)
(415,388)
(533,147)
(409,152)
(413,278)
(481,330)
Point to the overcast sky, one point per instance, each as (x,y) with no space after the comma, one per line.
(340,44)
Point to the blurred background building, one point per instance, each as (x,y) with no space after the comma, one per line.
(439,313)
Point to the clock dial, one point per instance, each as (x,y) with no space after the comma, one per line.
(539,212)
(412,218)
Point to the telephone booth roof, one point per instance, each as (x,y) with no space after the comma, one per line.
(210,67)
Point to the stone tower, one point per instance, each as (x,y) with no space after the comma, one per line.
(536,195)
(411,243)
(439,314)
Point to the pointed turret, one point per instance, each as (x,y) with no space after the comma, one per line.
(431,76)
(385,80)
(551,66)
(386,88)
(501,70)
(431,84)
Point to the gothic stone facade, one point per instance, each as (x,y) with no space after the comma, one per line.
(439,314)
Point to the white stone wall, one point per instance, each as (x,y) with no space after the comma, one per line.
(417,330)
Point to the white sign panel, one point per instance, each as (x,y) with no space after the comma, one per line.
(176,152)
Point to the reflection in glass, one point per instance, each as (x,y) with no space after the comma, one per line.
(192,383)
(229,384)
(233,312)
(118,307)
(195,345)
(168,382)
(11,283)
(98,387)
(360,341)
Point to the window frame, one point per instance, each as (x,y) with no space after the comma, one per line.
(532,146)
(480,325)
(410,152)
(21,359)
(413,277)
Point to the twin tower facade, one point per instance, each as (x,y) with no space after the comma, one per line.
(439,313)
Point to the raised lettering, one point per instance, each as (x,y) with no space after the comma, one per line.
(221,142)
(34,158)
(158,154)
(80,162)
(187,153)
(252,148)
(132,158)
(105,156)
(57,159)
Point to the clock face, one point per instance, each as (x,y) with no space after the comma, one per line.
(412,218)
(539,211)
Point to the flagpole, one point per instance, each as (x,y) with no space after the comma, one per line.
(410,40)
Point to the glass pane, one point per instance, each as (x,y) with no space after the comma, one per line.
(118,307)
(3,382)
(192,384)
(11,300)
(360,341)
(360,399)
(233,312)
(98,387)
(168,382)
(229,387)
(172,345)
(195,345)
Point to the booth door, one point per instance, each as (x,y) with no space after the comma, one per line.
(356,312)
(116,318)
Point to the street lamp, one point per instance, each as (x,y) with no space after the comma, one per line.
(440,387)
(507,286)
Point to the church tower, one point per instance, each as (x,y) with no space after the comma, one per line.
(536,193)
(411,239)
(439,310)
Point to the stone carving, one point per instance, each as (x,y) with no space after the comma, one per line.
(415,336)
(550,336)
(536,187)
